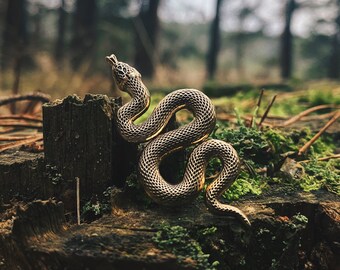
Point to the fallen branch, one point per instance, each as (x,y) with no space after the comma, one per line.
(22,117)
(306,112)
(7,146)
(35,97)
(20,124)
(15,138)
(321,159)
(328,124)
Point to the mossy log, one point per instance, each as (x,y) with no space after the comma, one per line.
(297,231)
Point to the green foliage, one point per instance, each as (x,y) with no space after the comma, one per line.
(208,231)
(96,208)
(177,240)
(323,97)
(320,174)
(264,151)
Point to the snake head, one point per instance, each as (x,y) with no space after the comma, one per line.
(121,72)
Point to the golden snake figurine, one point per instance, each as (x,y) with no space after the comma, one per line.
(196,132)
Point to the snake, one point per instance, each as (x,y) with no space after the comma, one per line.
(160,144)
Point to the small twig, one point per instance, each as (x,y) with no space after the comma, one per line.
(322,159)
(322,130)
(306,112)
(264,116)
(15,138)
(256,109)
(11,145)
(22,117)
(20,124)
(36,96)
(78,199)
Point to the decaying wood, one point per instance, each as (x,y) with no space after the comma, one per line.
(35,236)
(22,175)
(81,140)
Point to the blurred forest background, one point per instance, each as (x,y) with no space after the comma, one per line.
(59,46)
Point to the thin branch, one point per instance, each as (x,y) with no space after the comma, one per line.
(36,97)
(22,117)
(15,138)
(322,159)
(11,145)
(256,109)
(78,199)
(322,130)
(306,112)
(20,124)
(264,116)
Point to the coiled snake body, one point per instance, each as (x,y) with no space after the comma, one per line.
(197,131)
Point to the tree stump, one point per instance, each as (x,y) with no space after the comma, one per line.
(81,141)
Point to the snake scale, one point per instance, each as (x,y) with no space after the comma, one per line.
(196,132)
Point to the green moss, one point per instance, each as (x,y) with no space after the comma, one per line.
(263,153)
(177,240)
(319,174)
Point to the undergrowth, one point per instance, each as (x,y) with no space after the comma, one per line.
(263,152)
(177,240)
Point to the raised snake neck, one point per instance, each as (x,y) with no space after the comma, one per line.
(196,132)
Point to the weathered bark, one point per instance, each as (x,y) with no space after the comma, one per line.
(147,29)
(22,176)
(80,140)
(286,41)
(34,236)
(214,42)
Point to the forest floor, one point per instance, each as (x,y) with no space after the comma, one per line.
(289,187)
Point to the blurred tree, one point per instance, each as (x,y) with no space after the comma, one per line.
(84,32)
(286,41)
(334,65)
(147,31)
(214,42)
(60,44)
(316,49)
(15,36)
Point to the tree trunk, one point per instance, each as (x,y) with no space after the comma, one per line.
(59,49)
(84,36)
(286,41)
(147,30)
(15,36)
(214,42)
(334,65)
(240,40)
